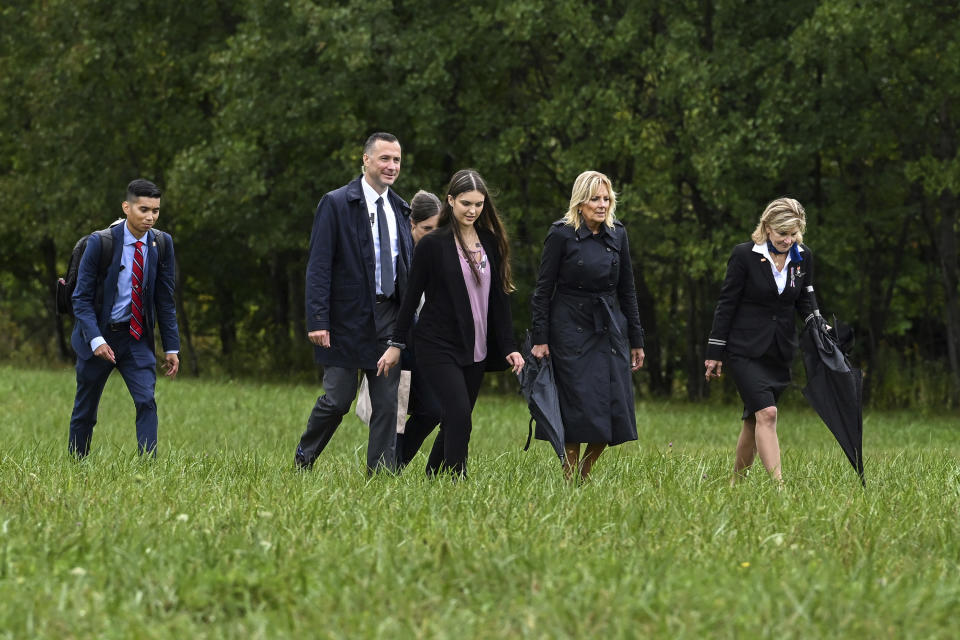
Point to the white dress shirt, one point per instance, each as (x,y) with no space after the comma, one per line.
(370,196)
(780,277)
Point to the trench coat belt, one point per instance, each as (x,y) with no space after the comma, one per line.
(602,305)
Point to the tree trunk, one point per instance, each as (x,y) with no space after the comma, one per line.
(183,322)
(281,310)
(880,295)
(297,277)
(228,327)
(49,250)
(653,356)
(696,337)
(946,243)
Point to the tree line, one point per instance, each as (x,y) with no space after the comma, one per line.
(700,111)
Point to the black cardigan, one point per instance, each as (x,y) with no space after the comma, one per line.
(750,314)
(444,329)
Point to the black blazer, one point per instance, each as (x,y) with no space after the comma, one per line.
(750,314)
(444,329)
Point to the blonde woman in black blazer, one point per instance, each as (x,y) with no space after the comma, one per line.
(754,329)
(463,268)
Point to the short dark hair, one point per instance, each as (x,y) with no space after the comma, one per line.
(380,135)
(141,188)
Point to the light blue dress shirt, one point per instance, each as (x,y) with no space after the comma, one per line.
(121,306)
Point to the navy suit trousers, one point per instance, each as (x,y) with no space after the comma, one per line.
(138,366)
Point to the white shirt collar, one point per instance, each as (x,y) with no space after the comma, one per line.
(370,195)
(763,250)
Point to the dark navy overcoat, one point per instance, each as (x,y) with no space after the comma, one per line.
(341,279)
(585,310)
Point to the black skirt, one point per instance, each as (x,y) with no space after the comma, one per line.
(760,381)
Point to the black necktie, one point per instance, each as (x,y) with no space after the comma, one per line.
(386,253)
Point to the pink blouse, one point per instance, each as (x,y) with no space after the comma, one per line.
(479,294)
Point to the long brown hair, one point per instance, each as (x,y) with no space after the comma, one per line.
(469,180)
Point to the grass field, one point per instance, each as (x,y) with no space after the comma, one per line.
(219,537)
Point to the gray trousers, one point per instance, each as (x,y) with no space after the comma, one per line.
(340,389)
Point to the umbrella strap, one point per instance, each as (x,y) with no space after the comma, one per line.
(526,447)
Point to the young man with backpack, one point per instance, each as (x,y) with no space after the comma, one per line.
(115,315)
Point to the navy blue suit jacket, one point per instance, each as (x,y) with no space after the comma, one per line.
(341,287)
(159,305)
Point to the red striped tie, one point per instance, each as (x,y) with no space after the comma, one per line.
(136,288)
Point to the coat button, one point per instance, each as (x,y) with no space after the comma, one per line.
(579,263)
(579,329)
(580,305)
(608,249)
(614,261)
(579,286)
(613,351)
(774,318)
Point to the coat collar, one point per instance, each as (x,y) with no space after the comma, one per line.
(355,189)
(354,193)
(762,250)
(584,231)
(605,235)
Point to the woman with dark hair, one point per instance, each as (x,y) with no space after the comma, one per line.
(424,214)
(465,326)
(586,320)
(769,278)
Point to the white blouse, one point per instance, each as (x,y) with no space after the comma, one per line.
(780,277)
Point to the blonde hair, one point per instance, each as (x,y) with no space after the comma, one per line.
(585,187)
(783,215)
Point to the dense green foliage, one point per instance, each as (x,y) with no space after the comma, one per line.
(220,538)
(701,111)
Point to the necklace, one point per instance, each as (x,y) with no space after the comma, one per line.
(475,256)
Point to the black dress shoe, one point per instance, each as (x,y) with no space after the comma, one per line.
(301,462)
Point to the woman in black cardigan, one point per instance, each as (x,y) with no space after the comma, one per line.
(465,326)
(754,331)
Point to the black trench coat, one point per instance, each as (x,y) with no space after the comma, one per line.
(585,310)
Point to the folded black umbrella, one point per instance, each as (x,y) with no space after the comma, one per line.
(538,386)
(834,388)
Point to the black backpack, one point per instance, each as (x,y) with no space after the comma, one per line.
(67,284)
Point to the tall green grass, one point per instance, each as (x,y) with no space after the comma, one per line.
(220,538)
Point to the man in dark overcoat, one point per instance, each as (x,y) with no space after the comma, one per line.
(360,252)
